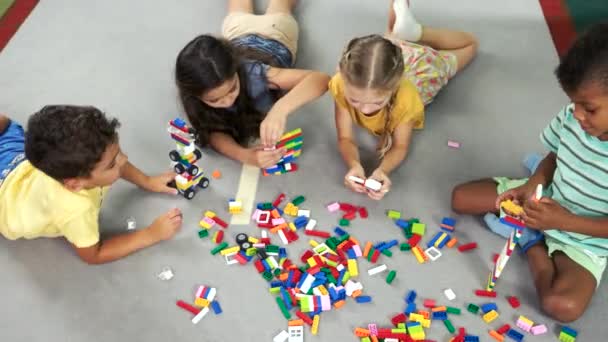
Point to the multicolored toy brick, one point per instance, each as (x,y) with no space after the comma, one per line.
(567,334)
(235,206)
(448,224)
(292,142)
(185,156)
(506,252)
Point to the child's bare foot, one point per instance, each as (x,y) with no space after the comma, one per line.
(406,27)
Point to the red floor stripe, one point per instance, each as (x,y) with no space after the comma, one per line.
(13,18)
(560,24)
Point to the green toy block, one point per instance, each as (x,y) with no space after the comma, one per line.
(451,310)
(219,247)
(449,326)
(414,220)
(267,275)
(267,206)
(387,252)
(564,337)
(203,233)
(277,272)
(418,228)
(393,214)
(365,339)
(298,200)
(472,308)
(391,276)
(344,222)
(283,308)
(405,247)
(272,249)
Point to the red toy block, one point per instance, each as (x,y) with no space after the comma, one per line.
(467,247)
(503,330)
(304,317)
(220,222)
(347,207)
(484,293)
(515,221)
(219,237)
(189,307)
(278,200)
(259,266)
(265,225)
(240,258)
(461,332)
(363,212)
(513,301)
(317,233)
(495,257)
(307,255)
(400,318)
(375,256)
(265,241)
(429,303)
(413,241)
(350,215)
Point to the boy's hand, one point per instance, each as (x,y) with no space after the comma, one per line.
(264,159)
(544,214)
(167,225)
(356,171)
(272,128)
(160,183)
(519,195)
(381,177)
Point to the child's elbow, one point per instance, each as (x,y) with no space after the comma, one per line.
(322,79)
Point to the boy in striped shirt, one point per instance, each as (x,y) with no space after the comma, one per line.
(572,215)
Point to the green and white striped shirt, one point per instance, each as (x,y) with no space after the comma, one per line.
(580,182)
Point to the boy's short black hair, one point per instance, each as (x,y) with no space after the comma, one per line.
(67,141)
(587,60)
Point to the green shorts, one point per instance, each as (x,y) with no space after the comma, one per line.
(590,261)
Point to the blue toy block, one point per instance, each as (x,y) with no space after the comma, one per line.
(217,309)
(351,254)
(363,299)
(282,253)
(412,325)
(485,308)
(333,294)
(403,224)
(280,211)
(471,338)
(440,315)
(434,239)
(300,221)
(286,298)
(276,283)
(179,122)
(515,335)
(569,331)
(444,241)
(448,221)
(391,244)
(411,296)
(339,231)
(411,307)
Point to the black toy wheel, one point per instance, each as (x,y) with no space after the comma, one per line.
(179,168)
(193,170)
(204,183)
(198,154)
(189,194)
(174,156)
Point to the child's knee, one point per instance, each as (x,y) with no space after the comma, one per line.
(563,308)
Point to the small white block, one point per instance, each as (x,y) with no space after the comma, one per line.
(357,180)
(230,260)
(131,224)
(377,270)
(311,224)
(304,212)
(433,253)
(165,274)
(200,315)
(287,166)
(391,340)
(373,184)
(283,237)
(264,234)
(281,337)
(449,294)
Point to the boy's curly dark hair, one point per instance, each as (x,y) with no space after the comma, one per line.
(68,141)
(587,60)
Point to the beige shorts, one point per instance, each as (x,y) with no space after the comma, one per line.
(281,27)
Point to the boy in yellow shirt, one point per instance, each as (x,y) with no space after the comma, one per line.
(54,177)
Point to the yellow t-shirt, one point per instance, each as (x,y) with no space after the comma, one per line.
(34,205)
(408,106)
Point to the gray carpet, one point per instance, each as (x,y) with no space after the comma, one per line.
(119,56)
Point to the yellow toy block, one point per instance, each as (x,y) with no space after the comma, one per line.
(292,227)
(352,268)
(490,316)
(315,325)
(323,290)
(230,250)
(418,254)
(313,243)
(201,302)
(210,214)
(204,224)
(253,240)
(418,335)
(414,317)
(511,208)
(426,323)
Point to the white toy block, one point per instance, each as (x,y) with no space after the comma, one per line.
(281,337)
(296,333)
(204,311)
(304,212)
(449,294)
(283,237)
(230,260)
(433,253)
(377,270)
(311,224)
(357,180)
(131,224)
(373,184)
(165,274)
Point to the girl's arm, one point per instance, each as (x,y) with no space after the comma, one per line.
(302,86)
(348,149)
(402,136)
(226,145)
